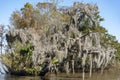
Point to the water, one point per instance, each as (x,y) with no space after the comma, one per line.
(107,75)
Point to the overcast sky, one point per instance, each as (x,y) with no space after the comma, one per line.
(109,10)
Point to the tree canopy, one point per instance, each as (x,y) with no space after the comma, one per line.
(45,15)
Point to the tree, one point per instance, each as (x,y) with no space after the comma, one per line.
(2,37)
(61,34)
(24,17)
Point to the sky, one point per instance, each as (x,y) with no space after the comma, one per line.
(109,10)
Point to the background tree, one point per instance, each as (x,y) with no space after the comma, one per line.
(2,38)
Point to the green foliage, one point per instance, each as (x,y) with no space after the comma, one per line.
(27,5)
(26,51)
(20,60)
(54,60)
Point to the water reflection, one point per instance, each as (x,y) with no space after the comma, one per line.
(107,75)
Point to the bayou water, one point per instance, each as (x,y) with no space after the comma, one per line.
(106,75)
